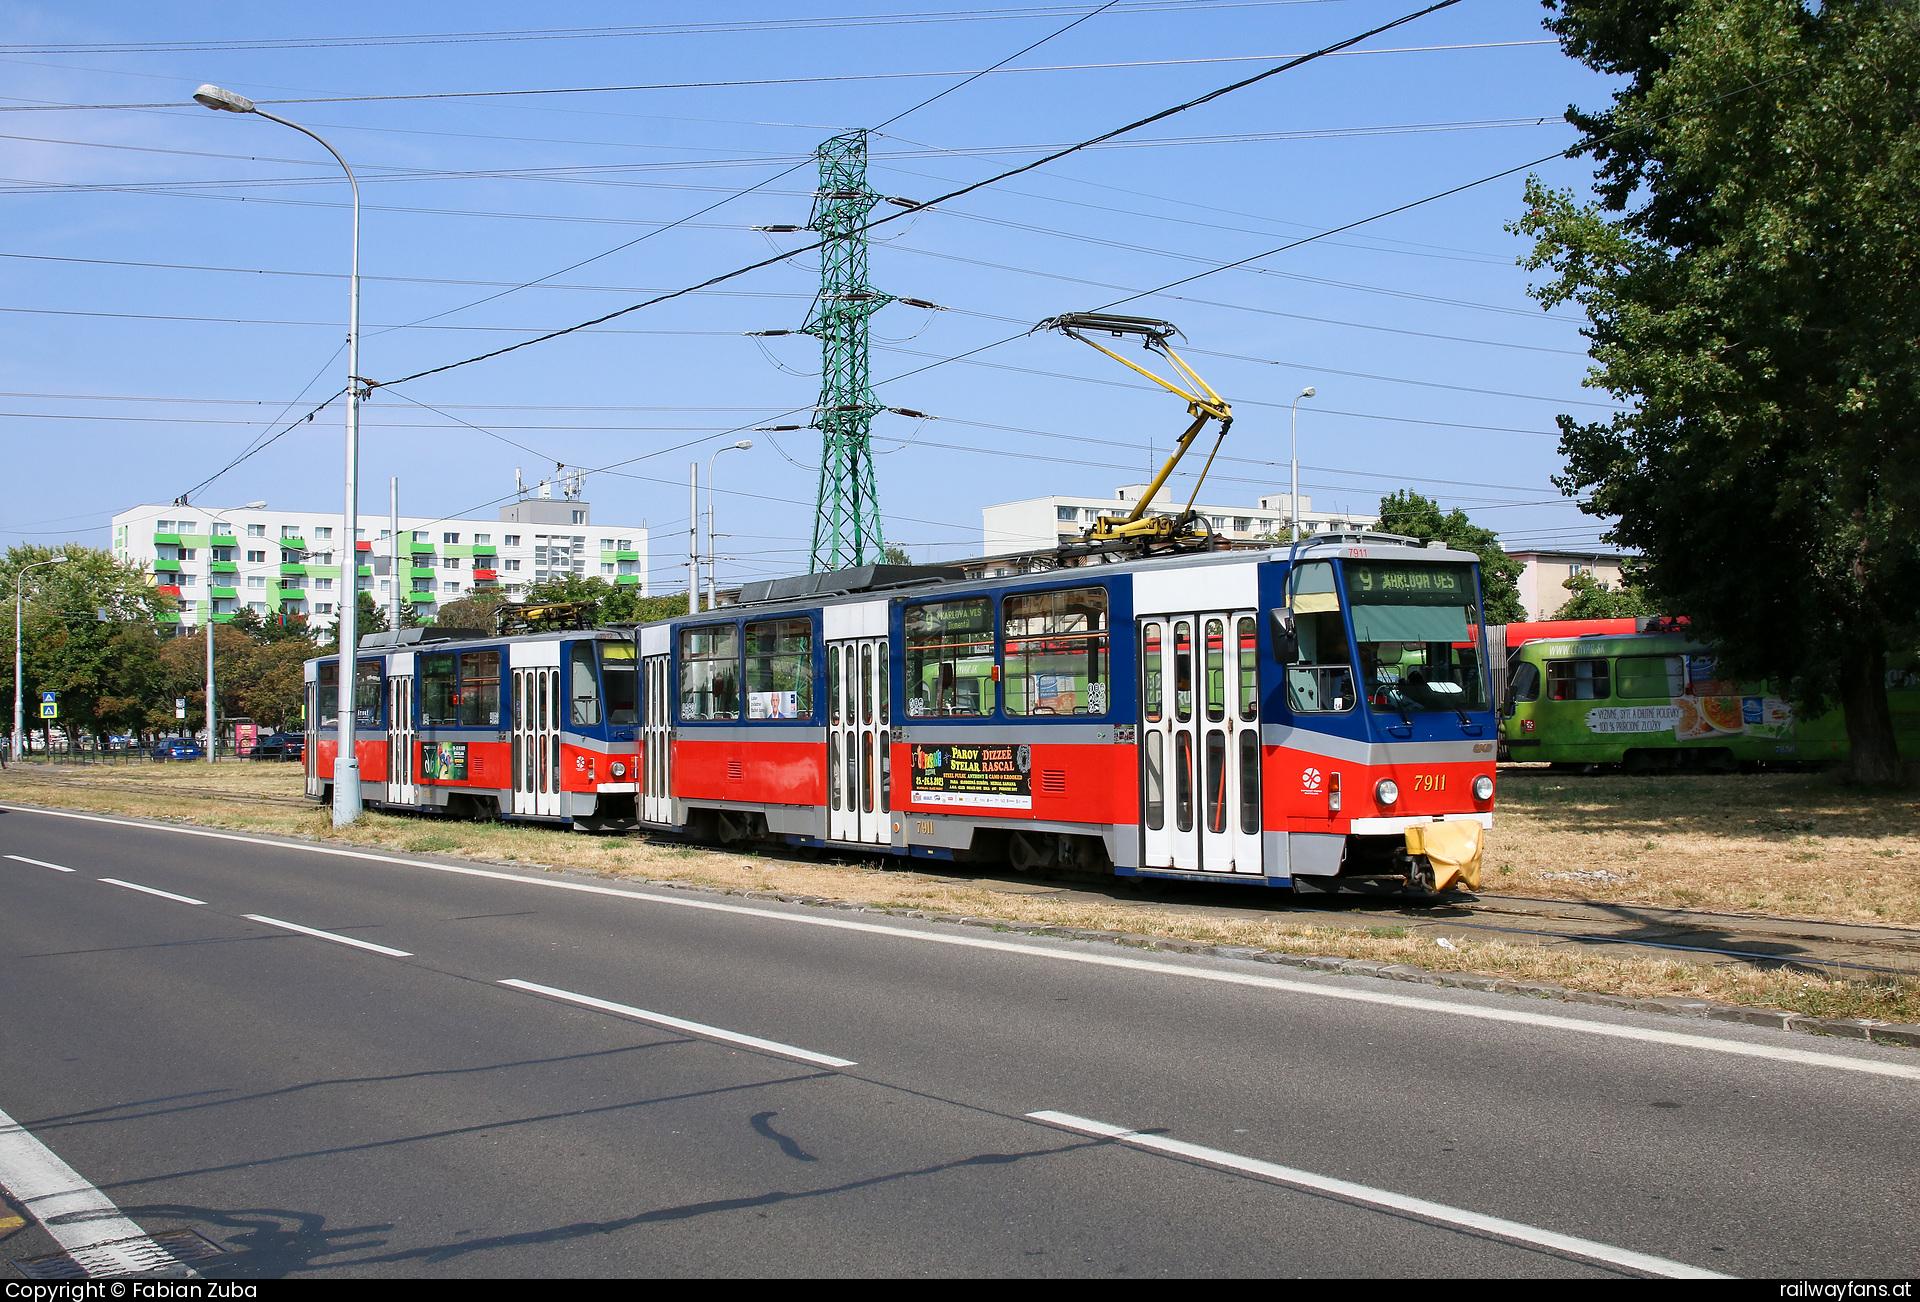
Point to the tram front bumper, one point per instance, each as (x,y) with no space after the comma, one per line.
(1452,849)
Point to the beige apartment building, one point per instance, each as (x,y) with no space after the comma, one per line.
(1543,581)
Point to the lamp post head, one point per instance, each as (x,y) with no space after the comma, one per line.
(744,445)
(215,98)
(254,506)
(56,560)
(1305,393)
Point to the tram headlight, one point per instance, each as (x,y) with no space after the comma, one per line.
(1483,788)
(619,770)
(1387,791)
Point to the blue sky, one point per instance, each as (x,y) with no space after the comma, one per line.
(173,279)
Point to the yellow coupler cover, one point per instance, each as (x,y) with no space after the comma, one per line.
(1453,848)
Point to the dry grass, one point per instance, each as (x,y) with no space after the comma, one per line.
(885,885)
(1797,844)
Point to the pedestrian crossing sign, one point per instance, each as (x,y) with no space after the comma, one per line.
(48,698)
(49,710)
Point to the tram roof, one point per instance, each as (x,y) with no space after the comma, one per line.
(885,582)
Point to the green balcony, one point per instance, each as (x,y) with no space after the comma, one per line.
(420,547)
(422,572)
(167,617)
(224,567)
(225,617)
(293,544)
(419,598)
(366,571)
(292,570)
(224,594)
(291,594)
(166,540)
(483,549)
(627,579)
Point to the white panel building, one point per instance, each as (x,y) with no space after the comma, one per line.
(1041,522)
(214,563)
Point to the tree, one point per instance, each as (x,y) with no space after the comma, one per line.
(472,611)
(615,603)
(1591,601)
(1407,512)
(1748,273)
(895,554)
(368,617)
(95,664)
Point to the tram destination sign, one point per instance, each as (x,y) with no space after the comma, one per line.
(1404,583)
(995,775)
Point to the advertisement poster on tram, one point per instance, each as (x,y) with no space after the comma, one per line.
(444,761)
(993,776)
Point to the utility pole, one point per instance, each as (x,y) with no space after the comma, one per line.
(393,534)
(693,537)
(846,525)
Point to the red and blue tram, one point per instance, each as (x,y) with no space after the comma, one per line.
(1315,717)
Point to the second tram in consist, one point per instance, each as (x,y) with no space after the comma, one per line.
(1315,717)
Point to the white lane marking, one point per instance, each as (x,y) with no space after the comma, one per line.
(148,890)
(1360,1193)
(692,1028)
(328,935)
(1511,1016)
(38,863)
(81,1219)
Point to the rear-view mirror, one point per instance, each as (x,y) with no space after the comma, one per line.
(1286,644)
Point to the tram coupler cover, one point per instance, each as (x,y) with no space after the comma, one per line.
(1452,850)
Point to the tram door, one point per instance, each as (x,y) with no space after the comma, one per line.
(858,758)
(656,743)
(536,728)
(400,739)
(310,753)
(1200,742)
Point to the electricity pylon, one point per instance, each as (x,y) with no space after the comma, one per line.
(846,524)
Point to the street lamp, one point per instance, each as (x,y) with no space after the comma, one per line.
(346,764)
(1295,511)
(713,548)
(19,726)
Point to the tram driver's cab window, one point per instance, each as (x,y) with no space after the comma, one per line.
(950,670)
(1320,679)
(710,672)
(1055,651)
(584,693)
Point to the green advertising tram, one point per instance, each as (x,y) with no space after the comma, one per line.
(1653,701)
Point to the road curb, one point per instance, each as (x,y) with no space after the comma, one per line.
(1907,1036)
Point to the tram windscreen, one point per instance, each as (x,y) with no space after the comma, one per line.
(620,675)
(1416,627)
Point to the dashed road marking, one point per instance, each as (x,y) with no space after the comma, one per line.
(680,1024)
(328,935)
(38,863)
(148,890)
(1440,1213)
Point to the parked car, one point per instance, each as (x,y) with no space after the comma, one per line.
(180,748)
(280,746)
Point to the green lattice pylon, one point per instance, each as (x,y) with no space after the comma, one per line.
(846,524)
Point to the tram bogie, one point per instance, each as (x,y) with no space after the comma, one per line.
(1314,717)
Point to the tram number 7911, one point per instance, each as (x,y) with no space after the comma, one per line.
(1429,782)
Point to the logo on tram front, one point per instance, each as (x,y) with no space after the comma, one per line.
(1310,782)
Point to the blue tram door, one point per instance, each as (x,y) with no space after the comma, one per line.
(1200,742)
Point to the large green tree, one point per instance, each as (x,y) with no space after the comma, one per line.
(87,634)
(1588,600)
(1407,512)
(1751,274)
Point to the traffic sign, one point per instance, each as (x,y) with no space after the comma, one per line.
(48,698)
(48,710)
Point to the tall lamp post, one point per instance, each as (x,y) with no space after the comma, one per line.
(713,548)
(19,725)
(346,764)
(1294,509)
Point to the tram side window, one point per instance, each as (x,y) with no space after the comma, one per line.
(779,678)
(1577,680)
(1650,677)
(1525,685)
(620,680)
(480,689)
(439,690)
(326,699)
(584,694)
(1055,651)
(366,694)
(1321,678)
(949,658)
(710,672)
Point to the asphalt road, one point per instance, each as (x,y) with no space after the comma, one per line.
(320,1108)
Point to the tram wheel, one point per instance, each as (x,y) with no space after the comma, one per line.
(1027,857)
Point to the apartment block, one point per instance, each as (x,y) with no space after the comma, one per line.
(1040,522)
(214,563)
